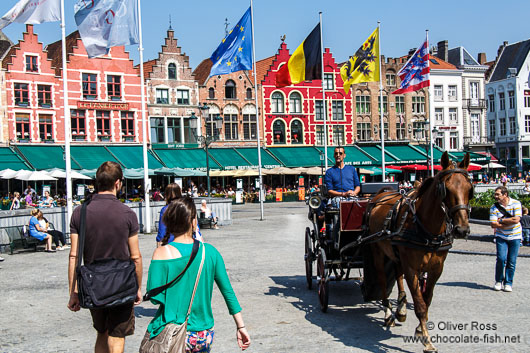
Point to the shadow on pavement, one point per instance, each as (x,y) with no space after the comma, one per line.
(469,285)
(140,311)
(349,319)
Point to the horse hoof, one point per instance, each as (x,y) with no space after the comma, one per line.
(401,318)
(430,350)
(390,321)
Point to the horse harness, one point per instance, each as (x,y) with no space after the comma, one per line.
(418,237)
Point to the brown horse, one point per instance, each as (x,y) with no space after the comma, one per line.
(419,229)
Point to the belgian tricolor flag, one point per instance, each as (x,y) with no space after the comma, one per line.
(305,63)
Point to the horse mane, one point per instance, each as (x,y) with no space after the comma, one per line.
(424,186)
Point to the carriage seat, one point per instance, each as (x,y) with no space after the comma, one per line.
(373,188)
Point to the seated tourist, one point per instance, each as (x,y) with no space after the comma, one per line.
(56,234)
(36,231)
(209,214)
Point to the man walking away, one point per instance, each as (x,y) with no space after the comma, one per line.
(111,232)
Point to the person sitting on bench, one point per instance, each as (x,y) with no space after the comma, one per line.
(209,214)
(36,231)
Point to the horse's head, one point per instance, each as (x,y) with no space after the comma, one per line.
(455,190)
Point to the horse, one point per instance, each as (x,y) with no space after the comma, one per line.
(417,231)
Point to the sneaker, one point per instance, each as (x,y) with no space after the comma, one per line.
(498,286)
(1,259)
(59,248)
(507,288)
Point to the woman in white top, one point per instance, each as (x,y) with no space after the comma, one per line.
(15,205)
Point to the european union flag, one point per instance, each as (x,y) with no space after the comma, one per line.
(235,51)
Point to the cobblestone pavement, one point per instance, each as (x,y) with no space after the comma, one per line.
(265,264)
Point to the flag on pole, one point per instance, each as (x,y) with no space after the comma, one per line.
(305,63)
(104,24)
(364,65)
(414,74)
(33,12)
(235,51)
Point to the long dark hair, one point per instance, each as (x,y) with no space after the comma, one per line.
(179,217)
(172,192)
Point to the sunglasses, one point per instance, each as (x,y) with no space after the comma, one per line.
(339,153)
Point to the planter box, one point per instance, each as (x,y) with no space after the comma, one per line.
(45,105)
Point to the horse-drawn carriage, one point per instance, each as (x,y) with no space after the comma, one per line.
(389,235)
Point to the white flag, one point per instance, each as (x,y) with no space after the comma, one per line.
(33,12)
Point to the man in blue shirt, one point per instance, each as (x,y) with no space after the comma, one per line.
(342,180)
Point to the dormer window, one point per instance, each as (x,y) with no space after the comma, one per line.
(172,71)
(32,63)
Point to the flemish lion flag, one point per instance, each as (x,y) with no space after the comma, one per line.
(305,63)
(364,65)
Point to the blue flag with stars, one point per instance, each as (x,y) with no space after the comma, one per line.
(235,51)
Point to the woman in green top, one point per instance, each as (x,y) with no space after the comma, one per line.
(169,260)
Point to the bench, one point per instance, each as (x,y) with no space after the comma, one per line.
(16,237)
(204,221)
(372,188)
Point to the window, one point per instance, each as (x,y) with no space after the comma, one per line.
(418,105)
(328,82)
(475,127)
(22,94)
(189,132)
(45,127)
(22,126)
(277,102)
(364,131)
(362,104)
(390,79)
(451,93)
(338,135)
(387,135)
(31,63)
(502,127)
(526,151)
(172,71)
(278,130)
(511,99)
(114,87)
(527,99)
(249,127)
(173,130)
(297,132)
(211,128)
(527,124)
(230,121)
(44,95)
(295,102)
(512,125)
(211,93)
(78,124)
(90,86)
(157,130)
(319,110)
(439,141)
(400,131)
(418,129)
(453,115)
(453,140)
(249,93)
(473,90)
(319,135)
(385,104)
(127,125)
(183,97)
(230,90)
(439,114)
(400,104)
(438,93)
(337,110)
(491,100)
(491,124)
(162,96)
(502,103)
(103,124)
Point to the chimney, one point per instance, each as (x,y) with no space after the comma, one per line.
(501,47)
(482,58)
(443,50)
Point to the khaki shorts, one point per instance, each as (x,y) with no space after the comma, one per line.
(117,321)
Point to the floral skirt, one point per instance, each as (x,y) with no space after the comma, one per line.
(199,341)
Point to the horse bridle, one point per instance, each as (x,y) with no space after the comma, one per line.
(441,192)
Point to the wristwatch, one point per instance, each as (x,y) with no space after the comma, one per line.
(500,221)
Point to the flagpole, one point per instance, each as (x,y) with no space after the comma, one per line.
(324,97)
(381,113)
(147,184)
(67,132)
(430,113)
(261,191)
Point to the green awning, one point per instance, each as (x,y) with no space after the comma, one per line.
(91,157)
(132,157)
(375,153)
(473,156)
(354,156)
(10,160)
(46,156)
(407,154)
(251,155)
(228,158)
(293,157)
(185,158)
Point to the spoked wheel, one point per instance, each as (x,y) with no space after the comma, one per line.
(309,256)
(323,284)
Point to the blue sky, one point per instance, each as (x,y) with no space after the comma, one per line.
(480,26)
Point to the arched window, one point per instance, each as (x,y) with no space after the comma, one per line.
(230,89)
(278,130)
(211,93)
(297,132)
(277,102)
(172,71)
(295,103)
(249,93)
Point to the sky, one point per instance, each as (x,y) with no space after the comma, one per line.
(478,25)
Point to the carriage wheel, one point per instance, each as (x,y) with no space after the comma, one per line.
(323,285)
(308,258)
